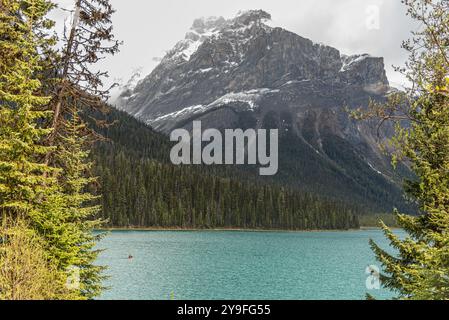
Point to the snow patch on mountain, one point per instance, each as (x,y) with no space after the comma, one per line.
(374,169)
(246,101)
(214,28)
(350,61)
(249,97)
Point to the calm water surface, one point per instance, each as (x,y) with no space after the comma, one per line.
(238,265)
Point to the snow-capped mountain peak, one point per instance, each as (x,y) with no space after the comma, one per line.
(221,56)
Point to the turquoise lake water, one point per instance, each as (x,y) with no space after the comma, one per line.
(239,265)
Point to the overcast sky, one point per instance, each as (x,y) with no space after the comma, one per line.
(151,27)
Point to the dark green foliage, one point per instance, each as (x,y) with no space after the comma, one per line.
(142,189)
(419,269)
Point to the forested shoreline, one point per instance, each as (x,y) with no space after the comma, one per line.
(141,189)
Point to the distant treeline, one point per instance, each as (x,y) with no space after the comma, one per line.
(142,189)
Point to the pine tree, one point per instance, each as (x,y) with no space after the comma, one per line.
(27,185)
(420,270)
(89,39)
(21,174)
(75,88)
(78,205)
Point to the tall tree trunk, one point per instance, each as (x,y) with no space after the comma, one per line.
(61,90)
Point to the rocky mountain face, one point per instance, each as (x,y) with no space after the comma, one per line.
(242,73)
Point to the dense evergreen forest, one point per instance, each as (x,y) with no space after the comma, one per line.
(142,189)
